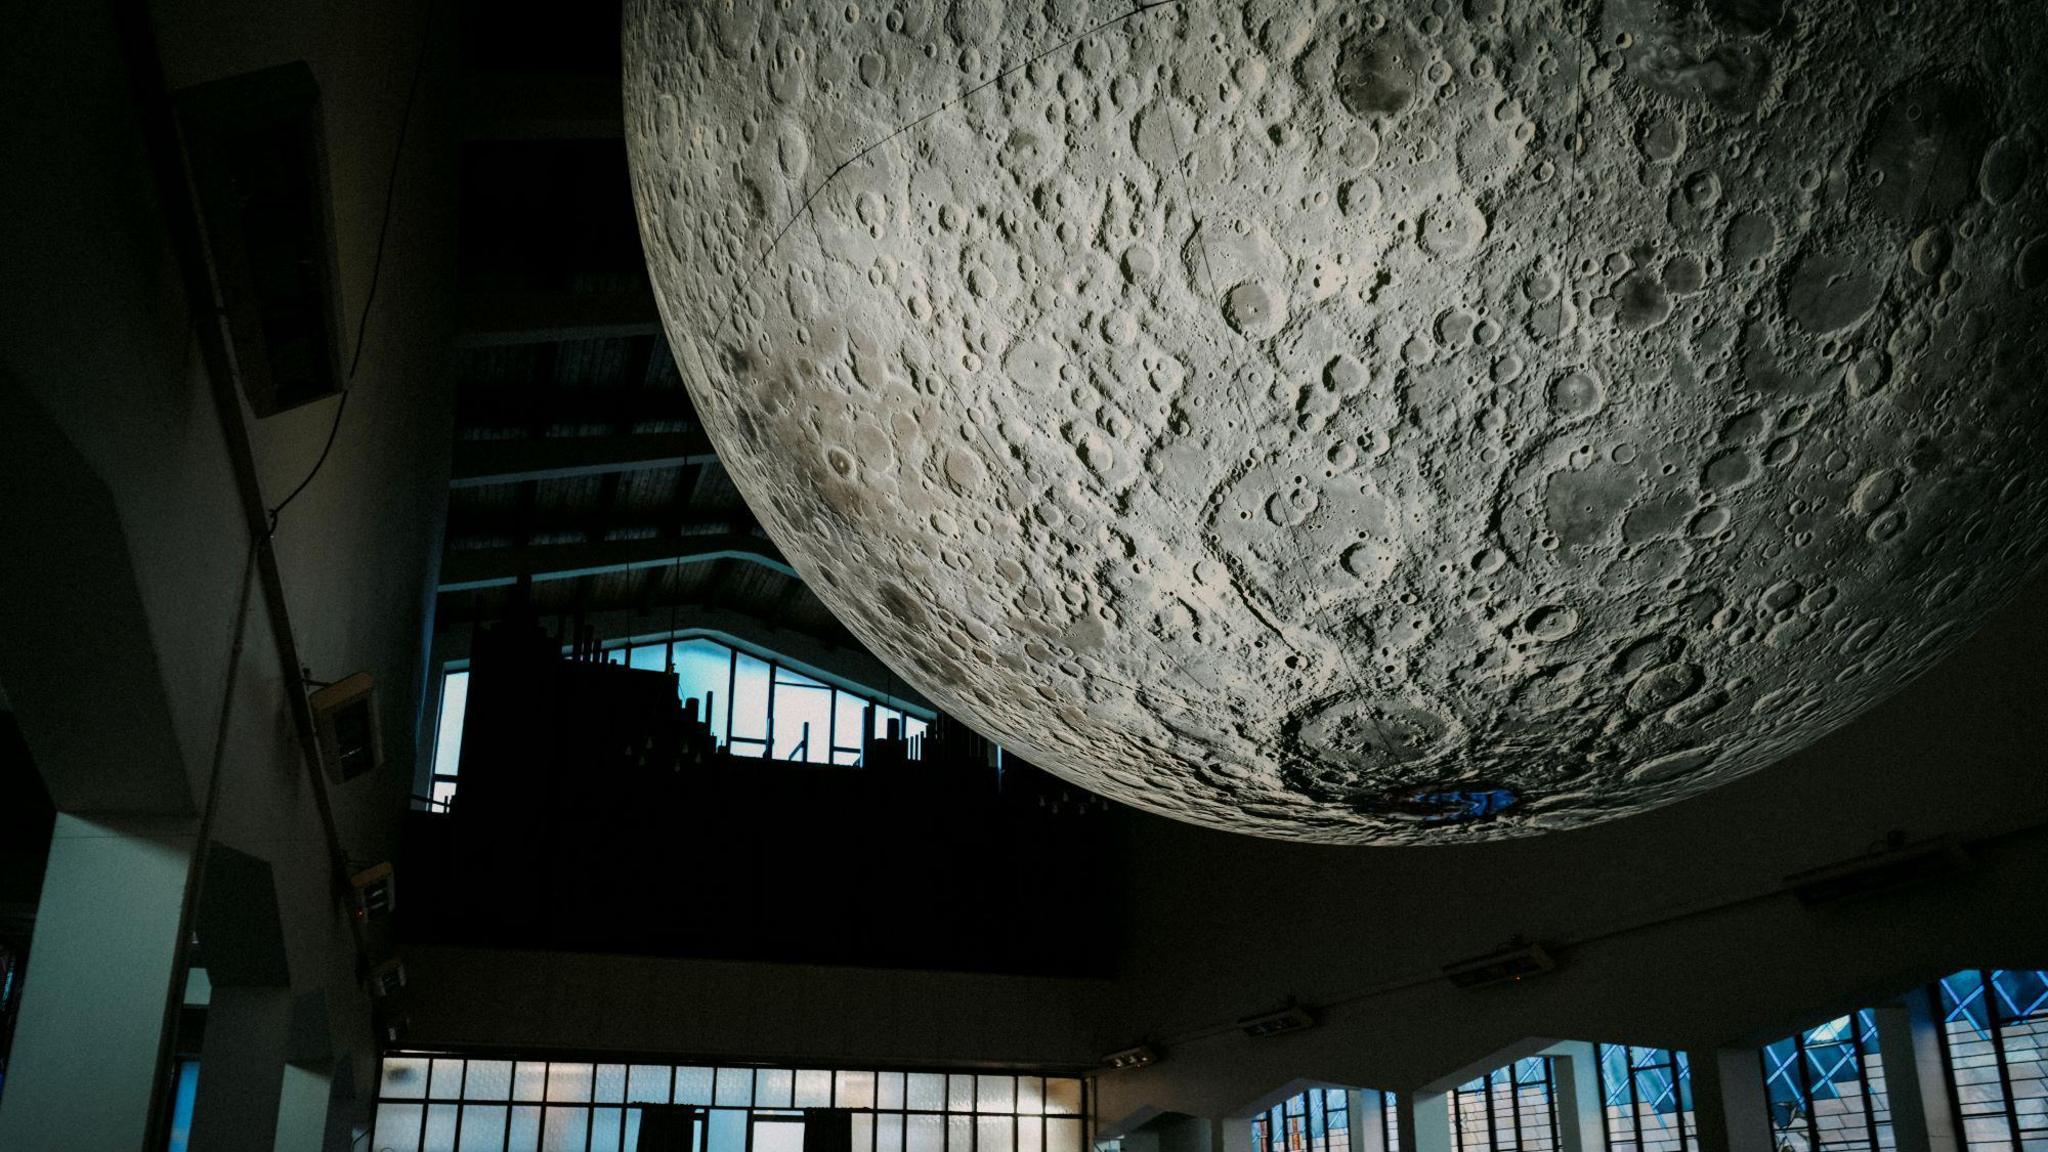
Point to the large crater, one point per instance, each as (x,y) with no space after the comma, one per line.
(1388,422)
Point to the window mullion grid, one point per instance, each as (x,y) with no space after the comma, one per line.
(1863,1082)
(1802,1060)
(1993,1014)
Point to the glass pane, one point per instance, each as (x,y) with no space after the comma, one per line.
(787,675)
(749,697)
(888,1089)
(398,1126)
(528,1081)
(648,1084)
(888,1132)
(772,1087)
(615,655)
(959,1093)
(447,1082)
(995,1094)
(882,716)
(405,1077)
(483,1128)
(605,1125)
(704,673)
(924,1132)
(523,1133)
(927,1092)
(693,1085)
(863,1132)
(735,1087)
(1063,1135)
(778,1136)
(568,1083)
(856,1090)
(565,1129)
(488,1080)
(1030,1134)
(803,723)
(440,1135)
(993,1133)
(1063,1096)
(912,726)
(448,734)
(652,657)
(1030,1094)
(727,1131)
(611,1083)
(959,1132)
(813,1089)
(847,713)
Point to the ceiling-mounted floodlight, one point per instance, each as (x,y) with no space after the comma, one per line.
(1509,964)
(1292,1018)
(1138,1056)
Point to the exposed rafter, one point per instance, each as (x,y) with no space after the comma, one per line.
(481,462)
(490,318)
(466,570)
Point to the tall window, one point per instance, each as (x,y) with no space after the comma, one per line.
(437,1104)
(1390,1121)
(1995,1036)
(1509,1109)
(1826,1088)
(1318,1120)
(756,706)
(1647,1098)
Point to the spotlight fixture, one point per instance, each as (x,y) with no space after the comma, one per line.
(1508,965)
(1893,864)
(1292,1018)
(1138,1056)
(345,720)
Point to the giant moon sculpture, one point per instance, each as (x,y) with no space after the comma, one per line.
(1370,422)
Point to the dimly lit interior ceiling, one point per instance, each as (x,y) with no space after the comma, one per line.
(576,472)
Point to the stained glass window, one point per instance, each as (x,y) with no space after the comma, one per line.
(1826,1088)
(1646,1096)
(1317,1120)
(1995,1037)
(1510,1109)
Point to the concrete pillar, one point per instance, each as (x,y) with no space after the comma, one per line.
(1367,1112)
(242,1070)
(1228,1135)
(1425,1121)
(1729,1102)
(92,1008)
(302,1110)
(1916,1073)
(1581,1120)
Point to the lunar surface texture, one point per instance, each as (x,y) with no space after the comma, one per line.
(1392,422)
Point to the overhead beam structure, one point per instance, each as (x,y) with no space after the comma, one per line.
(500,318)
(471,569)
(478,463)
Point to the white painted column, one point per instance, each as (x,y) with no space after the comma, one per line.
(242,1070)
(1729,1102)
(1425,1121)
(1916,1073)
(1366,1111)
(99,981)
(1581,1120)
(302,1110)
(1229,1135)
